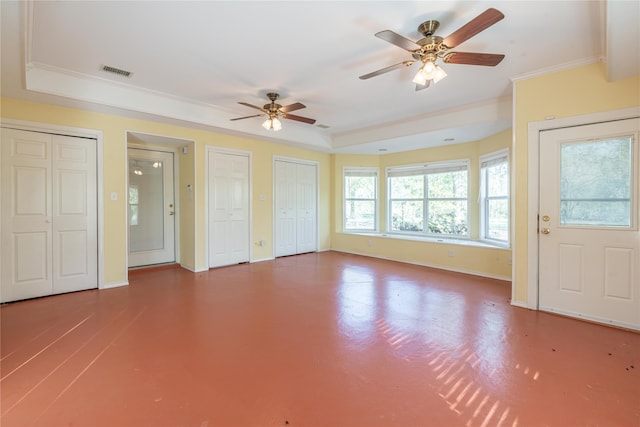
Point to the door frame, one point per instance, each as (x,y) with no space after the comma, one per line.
(94,134)
(533,176)
(215,149)
(273,192)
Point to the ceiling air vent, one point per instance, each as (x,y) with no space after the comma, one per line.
(117,71)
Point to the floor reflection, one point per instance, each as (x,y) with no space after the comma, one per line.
(356,299)
(463,346)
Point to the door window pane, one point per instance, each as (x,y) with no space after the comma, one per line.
(596,183)
(146,205)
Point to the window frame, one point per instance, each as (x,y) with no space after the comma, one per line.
(485,161)
(424,170)
(360,171)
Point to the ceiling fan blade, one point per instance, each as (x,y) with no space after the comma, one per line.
(473,27)
(247,117)
(472,58)
(299,118)
(422,87)
(398,40)
(292,107)
(387,69)
(252,106)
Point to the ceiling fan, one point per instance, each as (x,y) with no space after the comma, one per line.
(274,112)
(431,48)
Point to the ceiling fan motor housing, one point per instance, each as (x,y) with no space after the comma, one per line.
(427,28)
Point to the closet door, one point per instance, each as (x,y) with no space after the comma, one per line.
(306,197)
(49,215)
(75,220)
(228,209)
(286,208)
(296,193)
(26,215)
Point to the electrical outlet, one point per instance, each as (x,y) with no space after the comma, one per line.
(450,252)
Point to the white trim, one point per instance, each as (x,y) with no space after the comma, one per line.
(193,270)
(82,133)
(533,141)
(262,259)
(112,285)
(222,150)
(512,196)
(423,264)
(556,68)
(519,304)
(596,319)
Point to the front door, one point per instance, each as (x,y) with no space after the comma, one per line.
(151,207)
(589,262)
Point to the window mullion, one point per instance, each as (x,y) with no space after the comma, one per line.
(425,205)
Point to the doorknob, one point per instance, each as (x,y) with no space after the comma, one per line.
(546,231)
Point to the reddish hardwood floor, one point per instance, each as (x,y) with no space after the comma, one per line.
(322,339)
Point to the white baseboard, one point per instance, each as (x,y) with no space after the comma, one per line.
(114,285)
(261,260)
(595,319)
(519,304)
(193,270)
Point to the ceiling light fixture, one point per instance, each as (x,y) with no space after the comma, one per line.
(272,123)
(430,71)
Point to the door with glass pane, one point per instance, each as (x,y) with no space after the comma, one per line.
(151,207)
(588,222)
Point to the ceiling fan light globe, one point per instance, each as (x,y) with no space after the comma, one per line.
(276,125)
(419,78)
(439,74)
(267,124)
(429,70)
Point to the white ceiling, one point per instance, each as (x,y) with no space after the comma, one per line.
(193,61)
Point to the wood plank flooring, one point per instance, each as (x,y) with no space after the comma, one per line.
(322,339)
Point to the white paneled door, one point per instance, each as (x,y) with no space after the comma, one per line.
(295,198)
(49,214)
(589,242)
(151,207)
(228,197)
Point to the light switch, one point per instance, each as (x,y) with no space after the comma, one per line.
(114,196)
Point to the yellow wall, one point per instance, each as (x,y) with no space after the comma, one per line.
(568,93)
(192,171)
(492,262)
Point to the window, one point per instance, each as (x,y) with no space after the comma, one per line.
(429,199)
(494,197)
(360,199)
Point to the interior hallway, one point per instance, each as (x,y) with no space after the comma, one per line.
(322,339)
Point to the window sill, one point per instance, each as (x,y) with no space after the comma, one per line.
(431,239)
